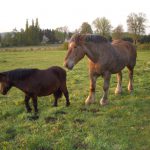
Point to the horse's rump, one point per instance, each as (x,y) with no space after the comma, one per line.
(126,49)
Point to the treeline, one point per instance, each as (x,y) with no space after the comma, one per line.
(33,35)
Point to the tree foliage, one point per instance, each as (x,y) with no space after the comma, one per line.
(136,25)
(85,28)
(102,26)
(33,35)
(118,32)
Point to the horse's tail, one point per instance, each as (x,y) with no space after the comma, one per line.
(58,93)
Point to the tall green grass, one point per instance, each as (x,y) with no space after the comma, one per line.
(122,125)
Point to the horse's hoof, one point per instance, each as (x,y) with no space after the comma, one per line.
(104,102)
(89,101)
(130,91)
(118,92)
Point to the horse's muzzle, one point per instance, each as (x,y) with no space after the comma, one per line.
(68,65)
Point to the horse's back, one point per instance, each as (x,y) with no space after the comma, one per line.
(126,49)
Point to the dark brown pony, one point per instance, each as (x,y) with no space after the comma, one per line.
(105,58)
(35,82)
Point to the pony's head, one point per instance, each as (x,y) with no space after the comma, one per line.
(5,84)
(75,51)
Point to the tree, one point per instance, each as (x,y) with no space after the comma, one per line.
(103,26)
(85,28)
(61,33)
(136,25)
(118,32)
(0,38)
(32,33)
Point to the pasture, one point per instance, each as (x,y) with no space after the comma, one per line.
(122,125)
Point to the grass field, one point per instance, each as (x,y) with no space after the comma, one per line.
(122,125)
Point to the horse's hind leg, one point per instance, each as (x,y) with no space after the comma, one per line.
(118,89)
(130,84)
(104,100)
(26,100)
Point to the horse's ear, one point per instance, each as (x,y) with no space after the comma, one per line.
(2,77)
(80,39)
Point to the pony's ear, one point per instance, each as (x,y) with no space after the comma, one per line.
(2,77)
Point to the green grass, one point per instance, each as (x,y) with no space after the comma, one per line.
(122,125)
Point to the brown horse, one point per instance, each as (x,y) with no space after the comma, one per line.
(35,82)
(104,59)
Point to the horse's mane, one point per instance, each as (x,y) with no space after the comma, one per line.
(95,38)
(19,74)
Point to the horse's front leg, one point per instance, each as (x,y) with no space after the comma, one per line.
(104,100)
(91,98)
(26,100)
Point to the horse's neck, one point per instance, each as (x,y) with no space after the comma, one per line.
(98,52)
(93,53)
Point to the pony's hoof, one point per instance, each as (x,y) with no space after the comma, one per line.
(67,104)
(29,110)
(104,102)
(55,105)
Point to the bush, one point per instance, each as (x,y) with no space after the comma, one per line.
(65,45)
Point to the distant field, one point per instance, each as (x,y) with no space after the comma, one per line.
(122,125)
(33,48)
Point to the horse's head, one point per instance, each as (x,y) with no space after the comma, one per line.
(75,51)
(5,84)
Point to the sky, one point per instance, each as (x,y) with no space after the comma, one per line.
(71,13)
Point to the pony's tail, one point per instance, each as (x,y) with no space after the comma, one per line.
(58,94)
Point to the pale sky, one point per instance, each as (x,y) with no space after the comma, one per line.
(71,13)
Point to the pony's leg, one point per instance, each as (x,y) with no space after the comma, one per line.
(91,98)
(34,100)
(26,100)
(55,101)
(104,100)
(118,89)
(66,93)
(130,84)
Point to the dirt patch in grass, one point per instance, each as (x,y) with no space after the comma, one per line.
(79,121)
(33,118)
(50,119)
(93,110)
(60,112)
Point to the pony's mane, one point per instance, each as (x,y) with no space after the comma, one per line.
(20,74)
(88,38)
